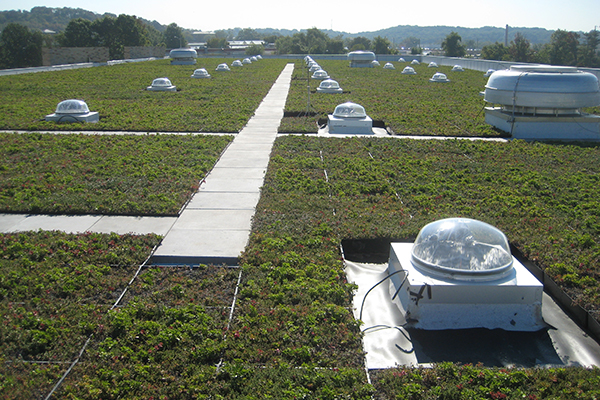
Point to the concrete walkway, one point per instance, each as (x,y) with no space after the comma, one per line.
(215,225)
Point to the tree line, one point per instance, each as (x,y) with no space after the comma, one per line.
(21,47)
(565,48)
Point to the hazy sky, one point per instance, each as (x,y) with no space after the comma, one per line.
(343,15)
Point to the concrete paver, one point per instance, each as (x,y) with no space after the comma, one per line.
(215,225)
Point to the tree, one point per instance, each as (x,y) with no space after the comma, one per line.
(174,37)
(217,43)
(248,34)
(78,33)
(19,47)
(316,41)
(563,48)
(359,43)
(336,45)
(497,51)
(381,45)
(588,51)
(155,37)
(452,45)
(254,50)
(520,49)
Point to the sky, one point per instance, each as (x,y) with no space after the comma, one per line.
(351,16)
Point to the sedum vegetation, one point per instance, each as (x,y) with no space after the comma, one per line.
(182,332)
(404,104)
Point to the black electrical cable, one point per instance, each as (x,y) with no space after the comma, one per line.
(380,282)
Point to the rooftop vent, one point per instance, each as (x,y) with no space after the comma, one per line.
(432,65)
(543,102)
(457,68)
(162,85)
(223,67)
(201,73)
(460,274)
(183,56)
(237,63)
(361,59)
(439,77)
(389,66)
(350,118)
(329,86)
(409,71)
(320,74)
(73,110)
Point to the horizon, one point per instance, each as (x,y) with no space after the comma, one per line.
(552,15)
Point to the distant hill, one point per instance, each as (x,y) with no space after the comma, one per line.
(56,19)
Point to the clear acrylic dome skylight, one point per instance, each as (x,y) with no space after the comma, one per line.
(320,74)
(349,110)
(72,106)
(439,77)
(223,67)
(408,71)
(329,84)
(462,249)
(201,73)
(389,66)
(158,82)
(432,65)
(237,63)
(246,61)
(457,68)
(401,59)
(415,62)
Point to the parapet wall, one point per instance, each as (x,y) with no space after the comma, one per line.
(75,55)
(134,52)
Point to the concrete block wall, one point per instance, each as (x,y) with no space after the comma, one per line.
(135,52)
(74,55)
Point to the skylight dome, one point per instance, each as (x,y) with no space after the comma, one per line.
(457,68)
(223,67)
(439,77)
(73,110)
(409,71)
(72,106)
(375,63)
(432,65)
(162,85)
(246,61)
(415,62)
(389,66)
(201,73)
(489,72)
(237,63)
(463,249)
(349,110)
(329,86)
(401,59)
(320,74)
